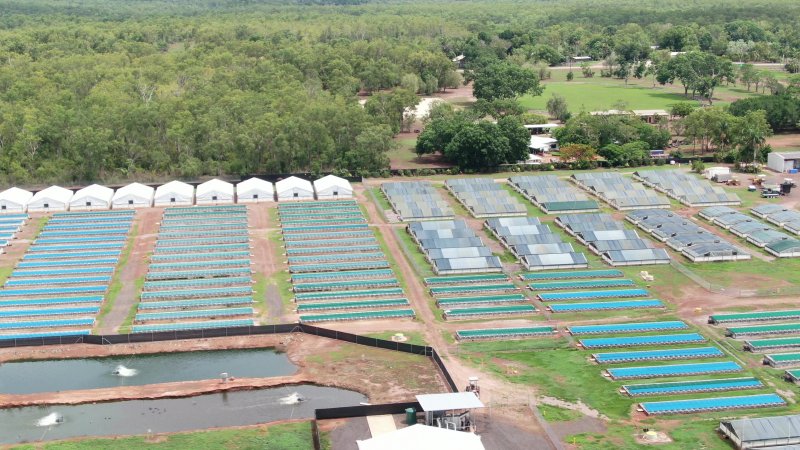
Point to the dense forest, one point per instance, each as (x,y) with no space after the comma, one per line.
(110,89)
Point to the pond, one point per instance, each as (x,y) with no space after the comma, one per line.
(27,377)
(30,424)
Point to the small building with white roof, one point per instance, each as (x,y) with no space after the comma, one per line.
(174,193)
(331,186)
(214,192)
(54,198)
(541,144)
(254,190)
(14,200)
(92,197)
(134,195)
(293,189)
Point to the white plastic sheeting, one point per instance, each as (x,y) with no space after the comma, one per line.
(92,197)
(214,192)
(14,200)
(331,186)
(254,190)
(54,198)
(294,188)
(174,193)
(134,195)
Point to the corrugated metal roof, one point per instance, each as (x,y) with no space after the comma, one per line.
(765,428)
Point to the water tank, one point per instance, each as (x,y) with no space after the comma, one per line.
(411,416)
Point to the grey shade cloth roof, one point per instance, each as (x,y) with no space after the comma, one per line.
(650,254)
(449,401)
(416,200)
(555,259)
(713,249)
(764,428)
(717,211)
(482,197)
(686,188)
(768,208)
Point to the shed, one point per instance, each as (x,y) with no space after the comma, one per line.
(134,195)
(174,193)
(54,198)
(762,431)
(254,190)
(784,162)
(331,186)
(14,200)
(541,128)
(214,192)
(449,410)
(540,144)
(91,197)
(294,188)
(423,437)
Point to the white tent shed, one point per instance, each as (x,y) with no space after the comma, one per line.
(54,198)
(331,186)
(134,195)
(294,188)
(92,197)
(214,192)
(14,200)
(174,193)
(254,190)
(423,437)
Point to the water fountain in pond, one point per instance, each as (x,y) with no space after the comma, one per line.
(50,420)
(122,371)
(292,399)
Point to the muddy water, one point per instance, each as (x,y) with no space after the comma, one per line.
(92,373)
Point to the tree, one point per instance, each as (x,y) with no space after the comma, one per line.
(557,107)
(498,107)
(586,70)
(782,111)
(678,39)
(681,109)
(505,80)
(580,153)
(792,66)
(753,131)
(546,53)
(570,76)
(748,75)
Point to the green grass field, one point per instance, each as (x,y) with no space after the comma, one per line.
(287,436)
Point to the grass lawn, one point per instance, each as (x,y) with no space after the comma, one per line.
(595,94)
(414,337)
(556,414)
(116,282)
(286,436)
(128,322)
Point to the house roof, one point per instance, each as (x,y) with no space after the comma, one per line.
(423,437)
(331,181)
(537,141)
(449,401)
(252,184)
(788,155)
(136,189)
(293,182)
(765,428)
(214,185)
(93,191)
(176,186)
(55,192)
(16,195)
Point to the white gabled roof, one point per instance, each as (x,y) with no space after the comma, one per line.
(449,401)
(135,189)
(179,187)
(331,181)
(16,195)
(57,193)
(93,191)
(293,182)
(537,141)
(254,184)
(423,437)
(214,185)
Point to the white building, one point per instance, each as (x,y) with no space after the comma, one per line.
(91,197)
(54,198)
(541,128)
(134,195)
(331,186)
(711,172)
(254,190)
(293,188)
(541,144)
(174,193)
(214,192)
(783,162)
(14,200)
